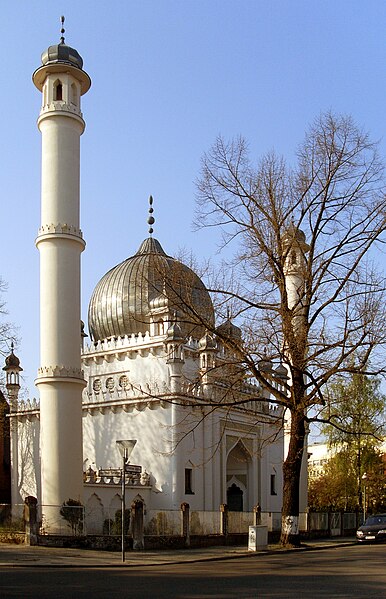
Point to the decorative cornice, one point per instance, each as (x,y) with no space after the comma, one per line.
(131,480)
(123,405)
(61,231)
(62,228)
(61,373)
(57,108)
(143,343)
(133,340)
(61,106)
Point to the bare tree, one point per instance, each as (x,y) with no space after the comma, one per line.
(302,281)
(7,332)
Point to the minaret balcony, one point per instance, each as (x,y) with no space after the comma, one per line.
(61,106)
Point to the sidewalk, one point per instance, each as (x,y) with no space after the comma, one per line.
(26,556)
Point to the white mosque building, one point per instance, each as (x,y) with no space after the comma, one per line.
(150,371)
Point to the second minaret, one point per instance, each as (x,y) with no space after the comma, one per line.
(62,81)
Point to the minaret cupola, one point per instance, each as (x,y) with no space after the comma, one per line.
(174,342)
(12,369)
(61,78)
(296,248)
(207,349)
(265,366)
(175,355)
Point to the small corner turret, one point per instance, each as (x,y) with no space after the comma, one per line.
(12,368)
(175,354)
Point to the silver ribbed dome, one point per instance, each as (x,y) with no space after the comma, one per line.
(122,300)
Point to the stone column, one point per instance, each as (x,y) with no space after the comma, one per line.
(224,519)
(137,525)
(31,520)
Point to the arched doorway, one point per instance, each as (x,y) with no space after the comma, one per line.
(235,498)
(237,477)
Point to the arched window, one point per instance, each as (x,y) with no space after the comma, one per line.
(58,90)
(74,94)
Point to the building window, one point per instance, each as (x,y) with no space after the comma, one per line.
(188,481)
(74,94)
(273,484)
(58,91)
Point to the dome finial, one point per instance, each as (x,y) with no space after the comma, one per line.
(151,219)
(62,30)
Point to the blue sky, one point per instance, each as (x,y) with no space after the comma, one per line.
(168,77)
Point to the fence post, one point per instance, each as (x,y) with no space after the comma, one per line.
(257,515)
(341,524)
(329,522)
(137,525)
(224,519)
(31,520)
(185,522)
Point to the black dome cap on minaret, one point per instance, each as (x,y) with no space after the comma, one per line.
(63,54)
(53,60)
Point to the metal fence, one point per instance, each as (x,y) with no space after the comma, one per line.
(80,520)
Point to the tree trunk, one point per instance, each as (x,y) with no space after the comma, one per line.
(291,481)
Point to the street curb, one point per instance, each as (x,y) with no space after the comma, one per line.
(176,561)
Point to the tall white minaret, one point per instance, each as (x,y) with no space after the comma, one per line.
(62,82)
(296,248)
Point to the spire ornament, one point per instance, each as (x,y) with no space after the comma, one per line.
(62,30)
(151,219)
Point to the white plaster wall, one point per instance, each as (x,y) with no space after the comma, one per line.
(139,369)
(26,473)
(151,429)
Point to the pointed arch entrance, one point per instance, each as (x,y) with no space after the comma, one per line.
(238,467)
(235,498)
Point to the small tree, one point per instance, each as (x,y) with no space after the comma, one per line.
(301,281)
(72,512)
(355,413)
(337,486)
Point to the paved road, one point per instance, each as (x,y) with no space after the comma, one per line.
(354,571)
